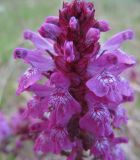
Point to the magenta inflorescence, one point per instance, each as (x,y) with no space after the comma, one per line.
(79,105)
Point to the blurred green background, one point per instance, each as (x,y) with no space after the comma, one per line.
(17,15)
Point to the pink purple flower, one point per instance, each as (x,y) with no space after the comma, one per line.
(78,104)
(5,130)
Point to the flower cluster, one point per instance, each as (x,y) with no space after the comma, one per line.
(79,103)
(16,132)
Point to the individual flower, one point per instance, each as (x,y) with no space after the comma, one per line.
(98,119)
(106,80)
(53,100)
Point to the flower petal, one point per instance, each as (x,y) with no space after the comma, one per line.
(58,79)
(55,140)
(103,25)
(40,90)
(31,76)
(101,147)
(95,85)
(113,61)
(124,62)
(116,41)
(62,106)
(52,19)
(120,117)
(126,91)
(40,42)
(35,58)
(97,121)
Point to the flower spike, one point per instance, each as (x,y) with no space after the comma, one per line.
(78,101)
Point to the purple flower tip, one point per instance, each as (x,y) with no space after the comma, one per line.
(20,53)
(27,34)
(52,19)
(129,34)
(103,25)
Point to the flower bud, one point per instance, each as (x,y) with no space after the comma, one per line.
(103,26)
(92,35)
(52,19)
(69,51)
(49,30)
(73,23)
(40,42)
